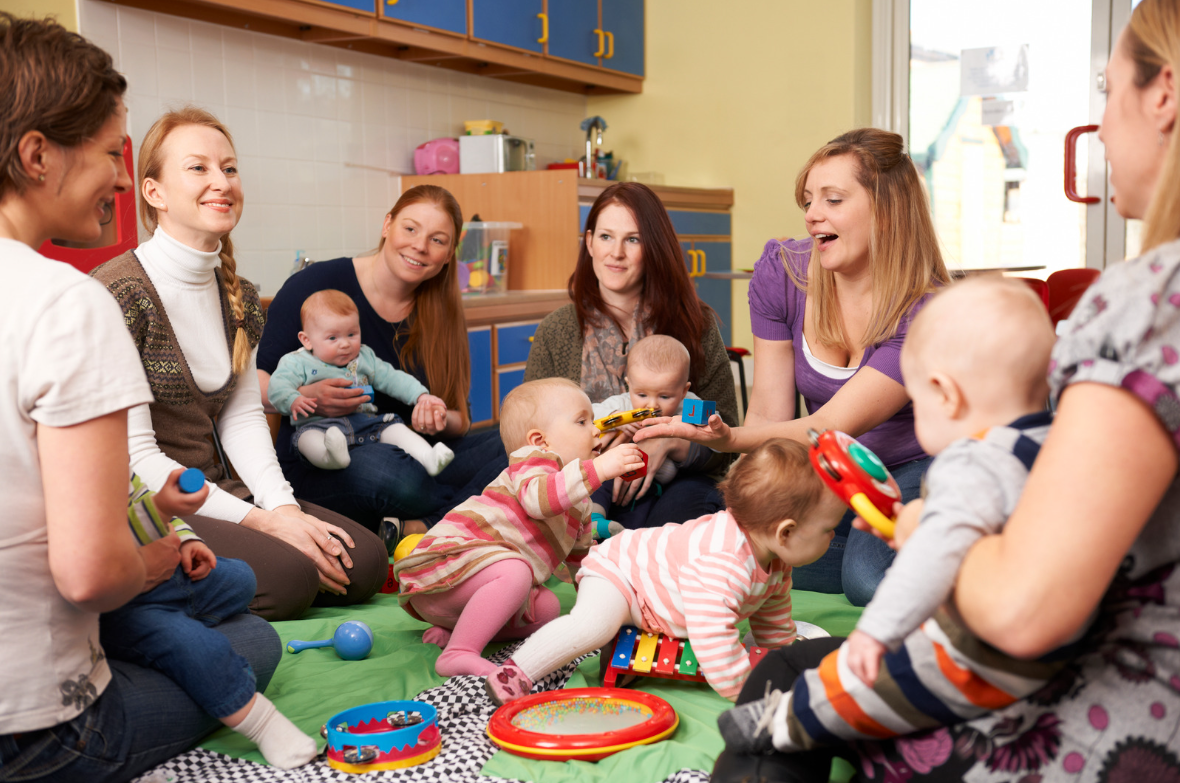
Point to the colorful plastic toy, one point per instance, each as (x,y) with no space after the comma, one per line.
(382,735)
(645,654)
(697,412)
(353,641)
(638,473)
(366,389)
(191,481)
(624,417)
(584,724)
(857,475)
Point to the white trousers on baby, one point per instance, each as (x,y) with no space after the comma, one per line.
(595,619)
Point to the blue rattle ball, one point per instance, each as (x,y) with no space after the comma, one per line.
(353,641)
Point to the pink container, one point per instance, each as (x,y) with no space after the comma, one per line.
(437,156)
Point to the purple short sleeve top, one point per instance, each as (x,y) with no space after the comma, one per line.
(776,313)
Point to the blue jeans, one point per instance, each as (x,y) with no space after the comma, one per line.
(142,719)
(856,561)
(384,481)
(686,497)
(170,629)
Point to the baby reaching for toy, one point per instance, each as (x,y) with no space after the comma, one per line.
(332,348)
(657,377)
(699,579)
(975,363)
(478,574)
(170,627)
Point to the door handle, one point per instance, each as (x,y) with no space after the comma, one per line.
(704,264)
(544,28)
(601,43)
(694,263)
(1071,164)
(610,44)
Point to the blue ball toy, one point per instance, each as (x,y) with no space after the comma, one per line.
(191,481)
(353,641)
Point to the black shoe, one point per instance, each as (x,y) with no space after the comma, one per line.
(390,531)
(747,727)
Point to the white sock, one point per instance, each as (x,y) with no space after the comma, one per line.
(781,736)
(433,458)
(444,456)
(326,449)
(282,744)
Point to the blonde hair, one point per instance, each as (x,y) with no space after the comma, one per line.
(328,300)
(773,482)
(151,161)
(1152,41)
(527,408)
(904,256)
(660,353)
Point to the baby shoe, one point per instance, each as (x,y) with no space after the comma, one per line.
(507,683)
(390,531)
(746,728)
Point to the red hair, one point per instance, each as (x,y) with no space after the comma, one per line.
(671,301)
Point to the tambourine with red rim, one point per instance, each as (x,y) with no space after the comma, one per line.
(857,475)
(583,724)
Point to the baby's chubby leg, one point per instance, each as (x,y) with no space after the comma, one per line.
(596,617)
(326,449)
(477,610)
(433,458)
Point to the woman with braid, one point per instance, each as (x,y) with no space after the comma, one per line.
(197,325)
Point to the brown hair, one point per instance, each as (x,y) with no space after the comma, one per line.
(151,162)
(1152,40)
(903,249)
(55,82)
(773,482)
(671,301)
(438,331)
(659,353)
(523,409)
(329,300)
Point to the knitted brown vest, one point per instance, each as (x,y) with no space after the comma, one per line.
(183,416)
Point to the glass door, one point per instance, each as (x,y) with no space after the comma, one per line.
(994,92)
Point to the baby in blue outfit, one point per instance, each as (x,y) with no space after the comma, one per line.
(332,348)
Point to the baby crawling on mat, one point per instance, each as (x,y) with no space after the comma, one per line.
(477,576)
(699,579)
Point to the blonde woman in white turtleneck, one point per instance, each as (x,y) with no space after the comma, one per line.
(197,324)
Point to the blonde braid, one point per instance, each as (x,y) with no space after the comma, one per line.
(233,292)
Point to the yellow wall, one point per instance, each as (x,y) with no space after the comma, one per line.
(738,95)
(66,11)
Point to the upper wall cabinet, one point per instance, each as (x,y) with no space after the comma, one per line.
(622,27)
(606,33)
(447,15)
(520,24)
(573,30)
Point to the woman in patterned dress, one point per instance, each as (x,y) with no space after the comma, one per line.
(1095,539)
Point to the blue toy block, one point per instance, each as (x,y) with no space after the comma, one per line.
(697,411)
(366,389)
(191,481)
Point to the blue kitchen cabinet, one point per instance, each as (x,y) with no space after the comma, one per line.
(513,342)
(516,23)
(572,26)
(508,380)
(367,6)
(688,222)
(700,257)
(479,344)
(448,15)
(622,26)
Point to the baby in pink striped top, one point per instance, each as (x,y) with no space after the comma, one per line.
(477,576)
(699,579)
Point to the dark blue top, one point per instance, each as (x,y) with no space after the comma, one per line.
(281,336)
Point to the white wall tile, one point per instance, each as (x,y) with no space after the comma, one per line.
(300,112)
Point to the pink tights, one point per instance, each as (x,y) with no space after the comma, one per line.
(495,604)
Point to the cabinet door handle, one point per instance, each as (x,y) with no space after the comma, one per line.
(704,263)
(601,43)
(391,2)
(530,339)
(544,28)
(610,45)
(692,262)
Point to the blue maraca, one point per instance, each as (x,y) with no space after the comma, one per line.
(353,641)
(191,481)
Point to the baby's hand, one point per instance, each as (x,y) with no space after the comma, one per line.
(630,429)
(864,656)
(304,405)
(907,521)
(618,461)
(172,502)
(197,559)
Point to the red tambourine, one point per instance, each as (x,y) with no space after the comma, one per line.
(552,725)
(857,475)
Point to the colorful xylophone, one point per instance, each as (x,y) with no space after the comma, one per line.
(656,655)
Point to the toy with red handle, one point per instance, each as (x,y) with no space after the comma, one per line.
(857,475)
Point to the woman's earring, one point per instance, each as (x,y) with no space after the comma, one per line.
(41,178)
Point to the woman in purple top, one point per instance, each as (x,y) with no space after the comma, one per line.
(829,315)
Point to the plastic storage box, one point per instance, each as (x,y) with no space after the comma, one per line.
(483,257)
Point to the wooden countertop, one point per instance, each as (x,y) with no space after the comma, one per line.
(512,306)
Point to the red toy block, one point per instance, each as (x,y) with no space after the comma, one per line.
(390,585)
(631,475)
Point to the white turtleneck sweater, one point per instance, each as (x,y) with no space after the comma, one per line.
(185,281)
